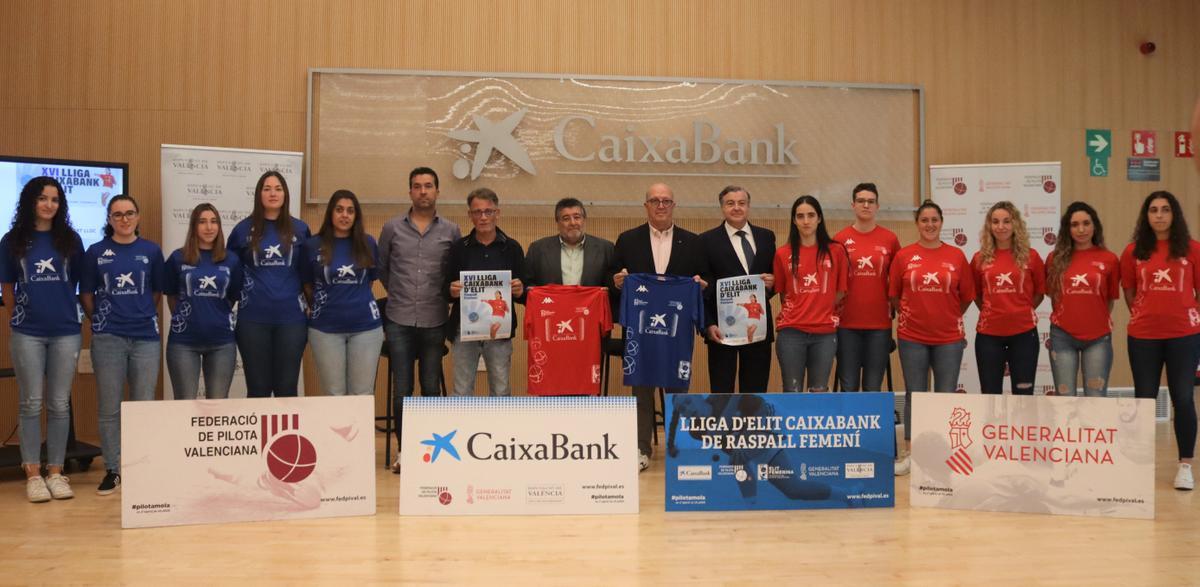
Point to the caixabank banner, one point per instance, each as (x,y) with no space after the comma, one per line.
(1080,456)
(519,455)
(238,460)
(780,451)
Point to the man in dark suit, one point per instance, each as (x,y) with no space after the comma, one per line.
(572,257)
(737,248)
(657,247)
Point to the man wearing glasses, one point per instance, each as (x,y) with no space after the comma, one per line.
(572,257)
(658,247)
(486,248)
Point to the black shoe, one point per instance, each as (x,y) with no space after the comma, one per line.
(112,480)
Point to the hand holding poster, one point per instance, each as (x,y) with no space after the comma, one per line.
(486,303)
(741,313)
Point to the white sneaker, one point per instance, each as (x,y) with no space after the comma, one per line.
(643,462)
(59,486)
(902,466)
(1184,479)
(36,490)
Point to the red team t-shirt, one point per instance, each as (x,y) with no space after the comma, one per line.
(499,307)
(1007,291)
(754,310)
(1090,281)
(564,327)
(869,255)
(932,285)
(809,295)
(1164,305)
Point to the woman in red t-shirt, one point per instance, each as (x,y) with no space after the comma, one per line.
(1158,274)
(1010,283)
(810,274)
(930,286)
(1082,280)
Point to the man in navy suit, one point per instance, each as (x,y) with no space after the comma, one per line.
(737,248)
(657,247)
(571,257)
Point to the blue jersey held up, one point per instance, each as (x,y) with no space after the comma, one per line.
(342,298)
(660,315)
(124,279)
(45,277)
(204,297)
(271,289)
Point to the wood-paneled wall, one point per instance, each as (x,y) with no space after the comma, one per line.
(1005,80)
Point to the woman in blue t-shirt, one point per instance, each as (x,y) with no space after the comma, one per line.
(120,288)
(272,326)
(338,268)
(40,260)
(203,281)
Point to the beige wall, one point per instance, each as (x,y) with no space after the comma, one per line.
(1005,80)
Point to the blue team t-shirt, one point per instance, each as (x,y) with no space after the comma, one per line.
(124,279)
(660,315)
(271,287)
(205,294)
(342,296)
(44,276)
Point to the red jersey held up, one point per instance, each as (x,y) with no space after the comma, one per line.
(1164,303)
(869,256)
(564,328)
(1091,280)
(1006,292)
(809,294)
(933,285)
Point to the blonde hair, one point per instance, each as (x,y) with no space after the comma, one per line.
(1020,238)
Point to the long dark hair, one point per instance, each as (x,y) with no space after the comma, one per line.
(191,244)
(258,218)
(1064,247)
(1144,241)
(108,227)
(24,222)
(358,239)
(823,238)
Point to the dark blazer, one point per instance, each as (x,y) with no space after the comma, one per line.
(634,255)
(723,262)
(543,262)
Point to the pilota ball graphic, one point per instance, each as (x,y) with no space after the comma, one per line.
(730,320)
(291,458)
(445,498)
(473,316)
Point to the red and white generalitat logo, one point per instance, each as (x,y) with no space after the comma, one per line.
(291,457)
(960,441)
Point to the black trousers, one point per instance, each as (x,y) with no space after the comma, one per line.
(749,364)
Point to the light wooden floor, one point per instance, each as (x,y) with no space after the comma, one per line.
(80,541)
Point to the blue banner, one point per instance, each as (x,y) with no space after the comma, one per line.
(780,451)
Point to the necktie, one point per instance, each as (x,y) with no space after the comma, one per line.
(746,250)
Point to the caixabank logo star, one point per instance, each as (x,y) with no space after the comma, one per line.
(490,137)
(960,440)
(291,457)
(438,444)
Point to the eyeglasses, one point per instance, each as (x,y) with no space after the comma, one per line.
(486,213)
(865,201)
(658,203)
(128,215)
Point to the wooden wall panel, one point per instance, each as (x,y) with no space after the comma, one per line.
(1005,80)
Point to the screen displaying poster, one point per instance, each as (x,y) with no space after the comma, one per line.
(239,460)
(742,309)
(87,186)
(519,455)
(486,305)
(779,451)
(1078,456)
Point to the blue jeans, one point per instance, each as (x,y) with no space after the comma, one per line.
(271,355)
(915,361)
(117,360)
(44,362)
(862,357)
(186,361)
(799,352)
(497,357)
(347,361)
(408,345)
(1147,358)
(1018,351)
(1068,354)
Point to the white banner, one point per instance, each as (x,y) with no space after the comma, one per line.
(1047,455)
(206,461)
(471,456)
(741,310)
(485,312)
(965,192)
(224,178)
